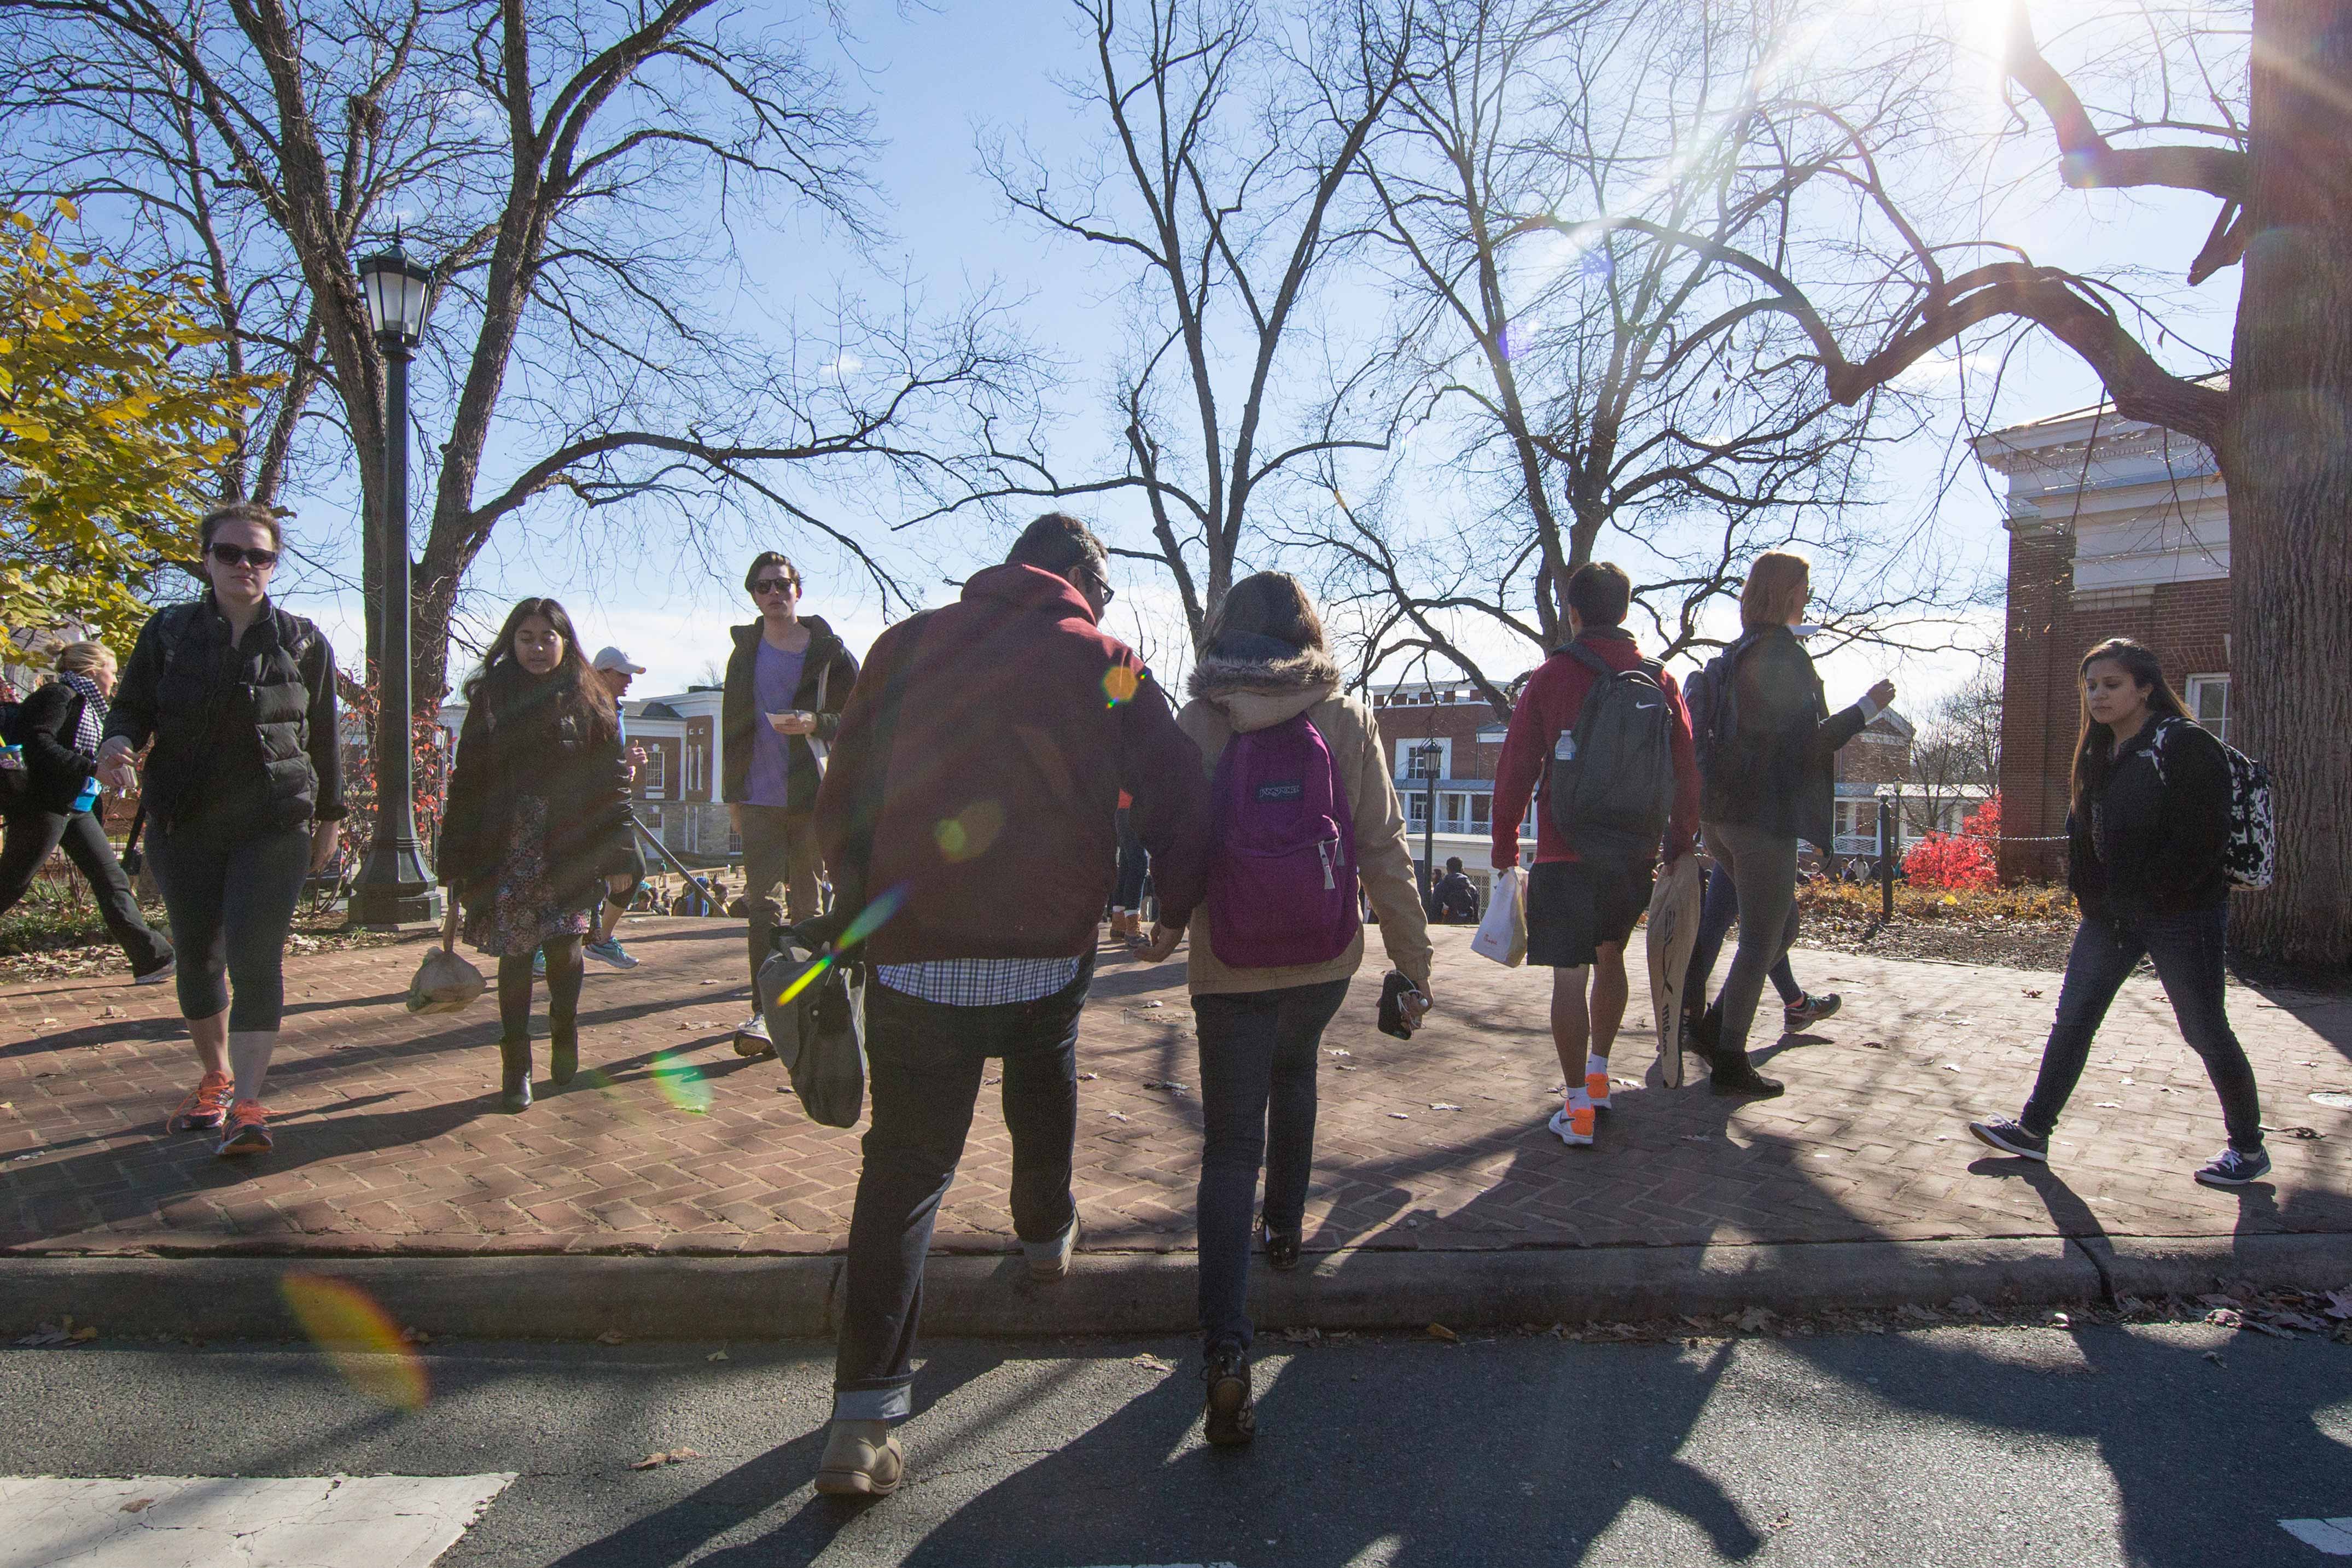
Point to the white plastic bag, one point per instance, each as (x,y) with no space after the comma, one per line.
(1503,933)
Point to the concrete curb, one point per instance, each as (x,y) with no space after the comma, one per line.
(674,1298)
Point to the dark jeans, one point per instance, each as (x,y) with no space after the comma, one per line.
(231,904)
(2187,950)
(924,1063)
(31,835)
(1134,864)
(1716,916)
(1258,1054)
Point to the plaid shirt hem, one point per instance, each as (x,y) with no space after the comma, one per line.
(980,982)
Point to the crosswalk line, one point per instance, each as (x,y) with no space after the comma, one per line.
(198,1521)
(2333,1536)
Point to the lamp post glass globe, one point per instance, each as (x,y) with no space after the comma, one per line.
(398,292)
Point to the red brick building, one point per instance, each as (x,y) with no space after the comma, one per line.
(2115,530)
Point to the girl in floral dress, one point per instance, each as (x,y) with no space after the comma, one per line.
(536,828)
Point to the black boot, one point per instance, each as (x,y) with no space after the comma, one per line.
(562,1056)
(1231,1414)
(1735,1074)
(514,1075)
(1700,1034)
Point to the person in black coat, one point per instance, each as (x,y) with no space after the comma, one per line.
(59,726)
(2145,843)
(536,829)
(1770,781)
(242,800)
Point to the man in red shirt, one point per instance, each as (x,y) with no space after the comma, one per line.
(1581,910)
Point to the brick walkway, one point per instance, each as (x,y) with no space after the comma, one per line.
(389,1139)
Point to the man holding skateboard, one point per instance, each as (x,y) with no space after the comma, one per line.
(1600,739)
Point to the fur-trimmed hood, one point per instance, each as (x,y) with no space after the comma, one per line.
(1258,682)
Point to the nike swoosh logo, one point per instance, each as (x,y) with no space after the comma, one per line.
(1645,708)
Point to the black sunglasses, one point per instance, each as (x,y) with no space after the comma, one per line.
(1102,582)
(773,585)
(231,555)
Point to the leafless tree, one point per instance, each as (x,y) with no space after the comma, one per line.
(1956,754)
(1230,129)
(2261,123)
(576,174)
(1598,388)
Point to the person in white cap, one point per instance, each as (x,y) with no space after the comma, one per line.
(613,667)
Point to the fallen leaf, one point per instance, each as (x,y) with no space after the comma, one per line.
(655,1461)
(1116,1115)
(1151,1363)
(1336,1051)
(1442,1105)
(137,1505)
(2339,1302)
(112,1013)
(1964,1304)
(715,1356)
(1754,1320)
(1439,1330)
(1304,1337)
(1399,1116)
(1155,1004)
(2107,1104)
(611,1336)
(2032,990)
(2225,1318)
(1083,1077)
(1169,1084)
(1951,1067)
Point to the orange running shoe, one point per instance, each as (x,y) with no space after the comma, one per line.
(248,1130)
(1573,1123)
(205,1107)
(1596,1089)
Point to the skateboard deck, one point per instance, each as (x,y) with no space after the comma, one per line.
(1674,930)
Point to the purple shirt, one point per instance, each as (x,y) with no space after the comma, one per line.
(775,682)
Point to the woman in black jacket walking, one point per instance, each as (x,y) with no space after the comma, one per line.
(59,726)
(244,791)
(1771,781)
(2145,841)
(537,827)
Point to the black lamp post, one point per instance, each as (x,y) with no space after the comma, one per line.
(395,886)
(1429,754)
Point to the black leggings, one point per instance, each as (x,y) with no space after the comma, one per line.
(231,904)
(562,990)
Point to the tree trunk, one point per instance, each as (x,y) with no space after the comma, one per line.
(2287,456)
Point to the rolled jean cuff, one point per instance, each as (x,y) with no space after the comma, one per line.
(894,1402)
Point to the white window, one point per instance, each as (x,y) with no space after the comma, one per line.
(1482,813)
(651,777)
(1412,763)
(1416,808)
(2208,703)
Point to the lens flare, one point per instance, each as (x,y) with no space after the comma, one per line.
(679,1081)
(1120,684)
(358,1337)
(970,832)
(873,916)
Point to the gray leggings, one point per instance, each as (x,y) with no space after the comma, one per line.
(231,904)
(1763,868)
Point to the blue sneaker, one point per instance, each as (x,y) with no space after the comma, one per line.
(2235,1167)
(539,963)
(611,951)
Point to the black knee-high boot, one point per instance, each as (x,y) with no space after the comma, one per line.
(514,1032)
(563,967)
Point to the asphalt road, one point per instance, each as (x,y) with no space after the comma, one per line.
(1982,1446)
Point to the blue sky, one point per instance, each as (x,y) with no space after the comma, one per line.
(936,79)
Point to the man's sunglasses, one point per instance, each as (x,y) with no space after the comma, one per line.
(1102,583)
(231,555)
(773,585)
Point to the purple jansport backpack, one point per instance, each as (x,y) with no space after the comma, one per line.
(1282,890)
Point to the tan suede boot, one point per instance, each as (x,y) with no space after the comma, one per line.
(861,1460)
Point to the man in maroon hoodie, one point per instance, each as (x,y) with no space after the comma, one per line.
(974,787)
(1579,911)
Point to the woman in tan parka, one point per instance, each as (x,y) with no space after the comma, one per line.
(1261,1030)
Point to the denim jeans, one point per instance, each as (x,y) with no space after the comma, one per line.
(1258,1054)
(231,904)
(924,1063)
(1763,867)
(2187,950)
(1716,916)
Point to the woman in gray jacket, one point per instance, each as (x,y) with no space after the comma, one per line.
(1261,1028)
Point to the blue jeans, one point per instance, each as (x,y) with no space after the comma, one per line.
(2187,950)
(1258,1055)
(924,1063)
(1716,916)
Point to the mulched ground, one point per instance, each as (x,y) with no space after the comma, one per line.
(2013,944)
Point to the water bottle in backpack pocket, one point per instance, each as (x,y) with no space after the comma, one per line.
(1282,887)
(1612,778)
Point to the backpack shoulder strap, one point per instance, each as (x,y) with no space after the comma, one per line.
(1590,660)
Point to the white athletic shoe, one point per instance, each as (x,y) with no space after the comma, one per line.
(751,1037)
(1574,1123)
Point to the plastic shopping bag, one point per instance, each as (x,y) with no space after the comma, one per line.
(1503,933)
(443,983)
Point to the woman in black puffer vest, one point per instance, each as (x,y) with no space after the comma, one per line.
(537,827)
(2146,841)
(244,792)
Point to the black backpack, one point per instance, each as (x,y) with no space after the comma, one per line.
(1714,703)
(1611,795)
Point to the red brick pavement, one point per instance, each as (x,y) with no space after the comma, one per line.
(389,1140)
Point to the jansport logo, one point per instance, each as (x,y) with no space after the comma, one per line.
(1293,790)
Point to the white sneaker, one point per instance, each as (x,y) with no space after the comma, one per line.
(1573,1123)
(159,973)
(751,1037)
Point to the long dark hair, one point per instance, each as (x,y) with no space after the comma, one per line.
(2094,744)
(574,684)
(1269,604)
